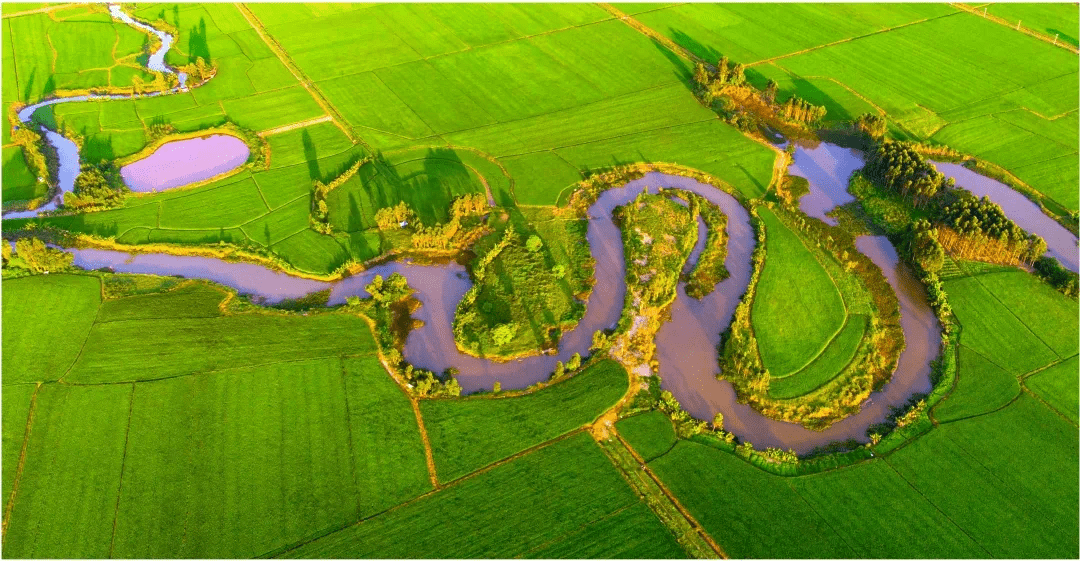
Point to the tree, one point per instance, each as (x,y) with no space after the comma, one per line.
(42,259)
(718,422)
(575,362)
(771,89)
(503,333)
(497,387)
(560,370)
(534,243)
(559,271)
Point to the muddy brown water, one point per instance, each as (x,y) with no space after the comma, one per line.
(1060,242)
(686,345)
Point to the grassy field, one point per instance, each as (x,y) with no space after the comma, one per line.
(46,320)
(833,358)
(993,331)
(651,434)
(469,434)
(1058,386)
(19,182)
(957,490)
(1061,20)
(982,387)
(68,486)
(798,309)
(16,413)
(567,495)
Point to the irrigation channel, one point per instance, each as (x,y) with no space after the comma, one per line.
(686,345)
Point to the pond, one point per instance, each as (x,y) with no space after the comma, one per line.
(183,162)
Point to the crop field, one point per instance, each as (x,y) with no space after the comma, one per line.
(795,296)
(165,417)
(1058,386)
(565,494)
(1050,19)
(460,431)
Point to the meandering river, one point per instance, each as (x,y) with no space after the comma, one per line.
(686,344)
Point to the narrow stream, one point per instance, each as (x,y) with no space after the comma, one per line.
(68,151)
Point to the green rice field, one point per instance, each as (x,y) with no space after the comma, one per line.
(150,416)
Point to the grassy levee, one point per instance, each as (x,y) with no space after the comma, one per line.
(68,488)
(46,319)
(162,348)
(798,309)
(651,434)
(468,434)
(982,387)
(558,500)
(1058,386)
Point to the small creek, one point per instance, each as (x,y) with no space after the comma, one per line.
(68,151)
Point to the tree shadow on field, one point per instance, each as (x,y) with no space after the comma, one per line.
(197,43)
(684,75)
(311,155)
(1062,36)
(808,91)
(687,42)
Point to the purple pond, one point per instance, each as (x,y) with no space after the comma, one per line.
(183,162)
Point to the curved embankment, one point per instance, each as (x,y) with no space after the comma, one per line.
(68,151)
(686,345)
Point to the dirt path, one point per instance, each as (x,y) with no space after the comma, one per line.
(648,31)
(428,456)
(1017,27)
(39,10)
(297,125)
(299,75)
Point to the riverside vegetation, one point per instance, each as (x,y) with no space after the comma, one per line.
(428,140)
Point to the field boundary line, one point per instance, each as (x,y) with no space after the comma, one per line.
(1025,389)
(671,497)
(22,462)
(1025,30)
(41,10)
(123,462)
(297,73)
(936,507)
(296,125)
(850,39)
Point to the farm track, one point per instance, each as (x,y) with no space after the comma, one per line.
(310,86)
(1017,27)
(123,462)
(40,10)
(296,125)
(671,497)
